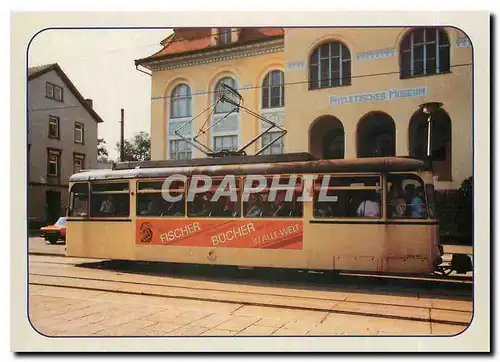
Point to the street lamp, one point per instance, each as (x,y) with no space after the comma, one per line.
(429,108)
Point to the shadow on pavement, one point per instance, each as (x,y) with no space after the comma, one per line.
(460,288)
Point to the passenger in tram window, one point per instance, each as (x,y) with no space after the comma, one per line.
(323,210)
(409,193)
(397,202)
(175,209)
(254,206)
(107,206)
(369,207)
(281,208)
(229,208)
(222,207)
(417,204)
(215,207)
(147,209)
(199,206)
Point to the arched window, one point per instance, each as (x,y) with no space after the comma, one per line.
(180,101)
(226,131)
(376,136)
(424,51)
(273,90)
(441,141)
(327,138)
(330,66)
(224,107)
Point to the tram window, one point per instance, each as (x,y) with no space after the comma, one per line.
(210,204)
(109,187)
(151,202)
(406,197)
(260,204)
(110,200)
(79,200)
(347,197)
(429,189)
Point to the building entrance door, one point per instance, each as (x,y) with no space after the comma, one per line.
(53,201)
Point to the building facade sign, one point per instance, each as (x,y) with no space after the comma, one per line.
(376,54)
(379,96)
(294,65)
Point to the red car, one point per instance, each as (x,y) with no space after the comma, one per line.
(55,232)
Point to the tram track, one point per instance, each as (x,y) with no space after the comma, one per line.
(337,300)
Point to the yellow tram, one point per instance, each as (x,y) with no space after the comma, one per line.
(370,214)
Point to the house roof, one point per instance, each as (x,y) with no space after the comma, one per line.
(195,40)
(36,71)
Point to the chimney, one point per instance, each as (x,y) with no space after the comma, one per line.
(90,103)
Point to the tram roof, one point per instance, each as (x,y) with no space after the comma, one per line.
(372,164)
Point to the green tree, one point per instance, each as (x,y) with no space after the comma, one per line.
(102,152)
(137,148)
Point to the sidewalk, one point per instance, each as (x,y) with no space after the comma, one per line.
(457,249)
(38,245)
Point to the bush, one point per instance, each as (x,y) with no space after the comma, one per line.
(455,212)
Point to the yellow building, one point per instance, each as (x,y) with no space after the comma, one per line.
(339,92)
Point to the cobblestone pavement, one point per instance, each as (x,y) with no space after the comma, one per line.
(57,311)
(110,303)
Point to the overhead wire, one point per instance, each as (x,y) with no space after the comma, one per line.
(246,88)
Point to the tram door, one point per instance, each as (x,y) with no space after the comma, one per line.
(346,224)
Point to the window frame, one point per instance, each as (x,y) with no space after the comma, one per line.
(380,189)
(234,84)
(267,90)
(409,73)
(232,136)
(92,192)
(181,98)
(158,191)
(52,93)
(82,141)
(299,191)
(72,201)
(238,203)
(280,143)
(57,153)
(344,81)
(188,149)
(413,176)
(81,157)
(57,124)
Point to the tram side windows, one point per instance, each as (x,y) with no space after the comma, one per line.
(152,200)
(284,204)
(110,200)
(79,200)
(406,197)
(220,199)
(347,197)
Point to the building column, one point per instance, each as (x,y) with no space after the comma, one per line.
(350,140)
(402,139)
(158,131)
